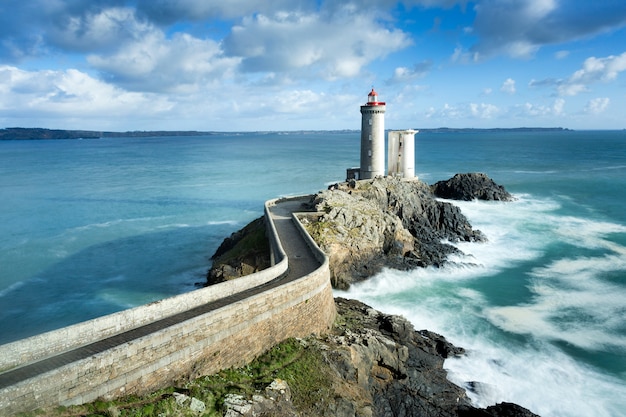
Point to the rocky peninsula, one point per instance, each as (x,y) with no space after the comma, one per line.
(379,365)
(364,226)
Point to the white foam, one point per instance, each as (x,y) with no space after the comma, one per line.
(540,378)
(174,226)
(569,300)
(571,303)
(217,223)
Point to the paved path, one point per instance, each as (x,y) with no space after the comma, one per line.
(301,263)
(301,260)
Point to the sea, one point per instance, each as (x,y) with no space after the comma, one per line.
(90,227)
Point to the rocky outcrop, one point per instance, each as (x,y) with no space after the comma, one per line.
(242,253)
(470,187)
(364,226)
(392,370)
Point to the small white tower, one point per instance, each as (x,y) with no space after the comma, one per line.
(401,153)
(372,137)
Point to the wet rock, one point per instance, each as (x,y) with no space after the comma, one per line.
(469,187)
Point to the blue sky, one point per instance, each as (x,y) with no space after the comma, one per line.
(232,65)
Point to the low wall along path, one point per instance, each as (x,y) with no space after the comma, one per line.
(186,336)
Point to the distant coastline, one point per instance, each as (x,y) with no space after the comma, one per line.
(22,133)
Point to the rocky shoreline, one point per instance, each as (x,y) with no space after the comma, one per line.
(375,364)
(384,366)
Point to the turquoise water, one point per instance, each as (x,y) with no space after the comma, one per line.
(95,226)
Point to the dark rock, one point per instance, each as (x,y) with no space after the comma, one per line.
(244,252)
(498,410)
(469,187)
(396,370)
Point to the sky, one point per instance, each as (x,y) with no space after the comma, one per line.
(249,65)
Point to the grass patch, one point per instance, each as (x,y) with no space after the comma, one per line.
(298,362)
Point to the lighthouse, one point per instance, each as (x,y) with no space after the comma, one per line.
(372,137)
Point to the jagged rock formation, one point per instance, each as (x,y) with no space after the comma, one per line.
(393,370)
(242,253)
(469,187)
(367,225)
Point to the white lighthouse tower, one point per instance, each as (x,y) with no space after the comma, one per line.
(372,137)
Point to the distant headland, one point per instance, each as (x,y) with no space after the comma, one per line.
(23,133)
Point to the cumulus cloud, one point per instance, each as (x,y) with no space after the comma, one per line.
(69,92)
(329,46)
(600,69)
(534,110)
(508,86)
(594,70)
(155,63)
(96,30)
(520,28)
(483,110)
(597,105)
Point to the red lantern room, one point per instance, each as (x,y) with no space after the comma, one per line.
(372,99)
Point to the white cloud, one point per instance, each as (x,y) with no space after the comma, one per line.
(181,64)
(600,69)
(329,46)
(508,86)
(70,92)
(483,111)
(533,110)
(597,105)
(594,70)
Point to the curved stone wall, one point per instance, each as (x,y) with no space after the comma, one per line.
(229,336)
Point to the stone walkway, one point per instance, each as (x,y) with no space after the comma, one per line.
(301,263)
